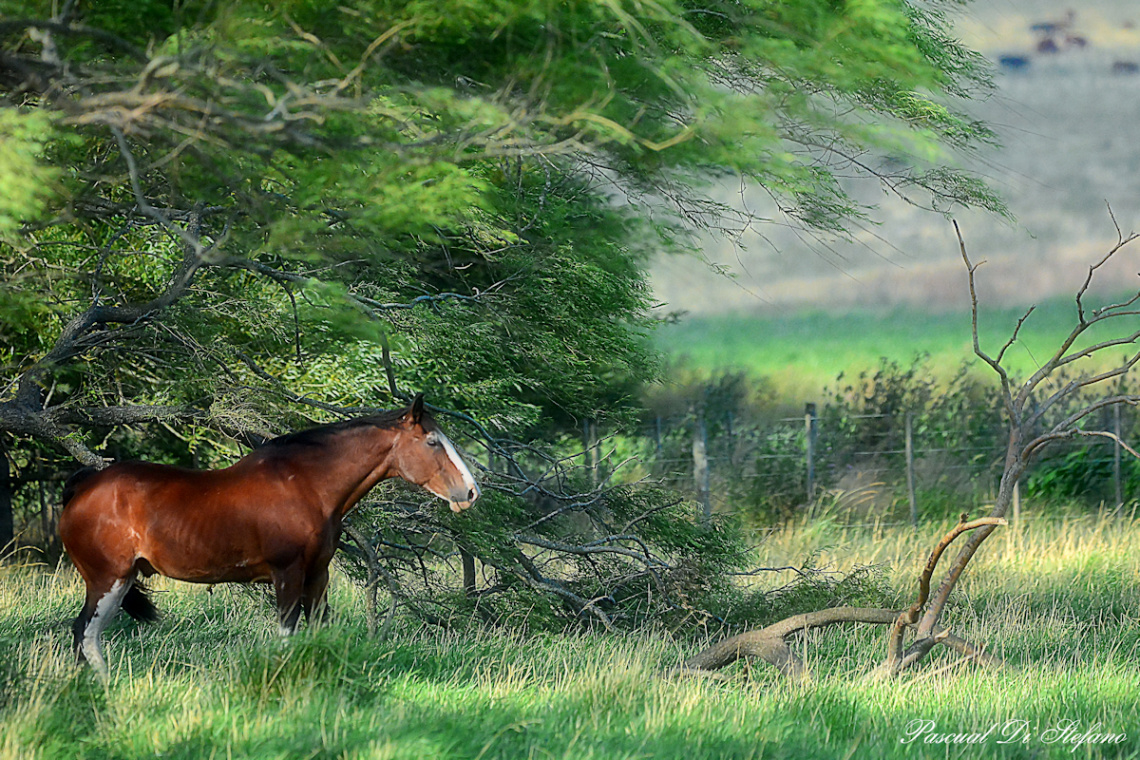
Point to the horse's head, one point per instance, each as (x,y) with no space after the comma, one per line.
(426,457)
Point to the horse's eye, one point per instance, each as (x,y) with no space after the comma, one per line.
(432,440)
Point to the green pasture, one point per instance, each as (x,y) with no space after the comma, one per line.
(1057,599)
(801,353)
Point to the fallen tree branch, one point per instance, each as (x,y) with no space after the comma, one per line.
(896,660)
(769,644)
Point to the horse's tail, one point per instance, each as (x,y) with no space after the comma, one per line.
(138,605)
(71,485)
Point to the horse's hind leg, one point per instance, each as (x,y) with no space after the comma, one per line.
(100,607)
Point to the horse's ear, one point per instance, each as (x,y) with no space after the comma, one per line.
(417,411)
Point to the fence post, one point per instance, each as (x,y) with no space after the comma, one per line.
(1016,530)
(810,436)
(597,452)
(910,469)
(730,437)
(590,443)
(7,520)
(1117,479)
(701,466)
(45,507)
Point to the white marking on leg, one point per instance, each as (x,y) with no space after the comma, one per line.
(105,610)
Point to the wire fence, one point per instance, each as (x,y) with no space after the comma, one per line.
(879,468)
(903,464)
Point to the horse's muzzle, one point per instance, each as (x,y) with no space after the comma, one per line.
(472,494)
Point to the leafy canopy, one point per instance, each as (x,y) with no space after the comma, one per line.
(219,221)
(339,159)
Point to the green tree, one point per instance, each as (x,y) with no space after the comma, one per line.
(221,221)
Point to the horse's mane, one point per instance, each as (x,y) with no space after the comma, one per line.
(319,434)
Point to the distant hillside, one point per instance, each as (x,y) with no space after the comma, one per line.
(1069,128)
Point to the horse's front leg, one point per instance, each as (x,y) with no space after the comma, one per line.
(288,583)
(314,599)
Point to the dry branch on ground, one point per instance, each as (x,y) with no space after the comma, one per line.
(770,644)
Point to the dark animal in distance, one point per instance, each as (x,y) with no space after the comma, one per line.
(1014,62)
(272,517)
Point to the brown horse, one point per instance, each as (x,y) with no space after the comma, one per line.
(274,516)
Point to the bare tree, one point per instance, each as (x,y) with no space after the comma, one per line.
(1027,405)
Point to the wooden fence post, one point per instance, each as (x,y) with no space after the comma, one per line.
(590,444)
(810,430)
(910,469)
(597,452)
(1117,477)
(701,466)
(730,437)
(7,488)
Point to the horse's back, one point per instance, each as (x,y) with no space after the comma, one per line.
(109,506)
(100,489)
(195,525)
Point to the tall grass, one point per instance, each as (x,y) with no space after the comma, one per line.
(1058,599)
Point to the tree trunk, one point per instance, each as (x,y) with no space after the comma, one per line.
(468,572)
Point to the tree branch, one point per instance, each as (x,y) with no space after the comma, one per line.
(769,643)
(896,661)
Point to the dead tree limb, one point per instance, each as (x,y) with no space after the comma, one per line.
(1022,446)
(897,660)
(770,644)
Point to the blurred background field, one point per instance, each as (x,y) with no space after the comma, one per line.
(801,353)
(877,328)
(1066,122)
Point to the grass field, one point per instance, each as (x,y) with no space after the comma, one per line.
(1059,600)
(803,352)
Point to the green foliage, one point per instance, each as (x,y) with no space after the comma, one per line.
(420,149)
(1083,474)
(866,413)
(778,486)
(26,178)
(266,215)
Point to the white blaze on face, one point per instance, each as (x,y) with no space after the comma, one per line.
(468,479)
